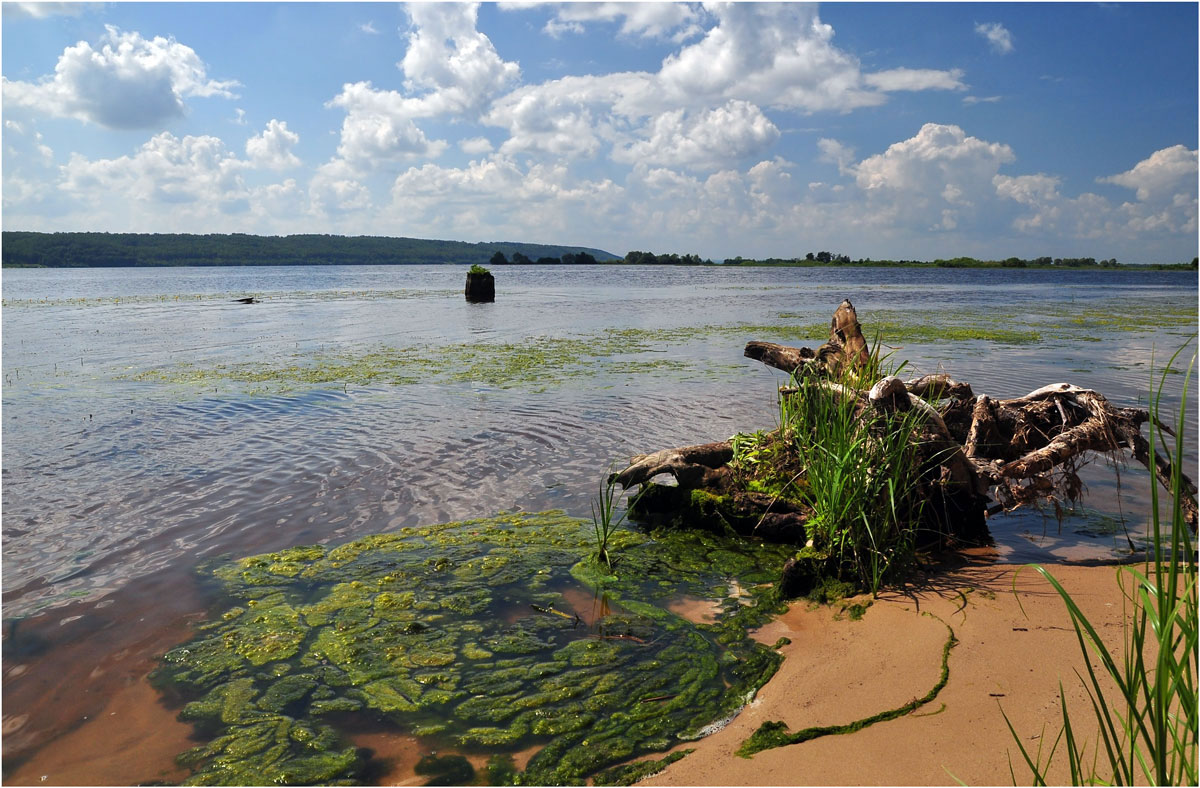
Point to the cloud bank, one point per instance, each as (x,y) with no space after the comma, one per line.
(681,158)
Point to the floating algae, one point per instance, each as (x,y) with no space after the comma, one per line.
(464,634)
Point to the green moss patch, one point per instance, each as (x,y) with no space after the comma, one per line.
(460,633)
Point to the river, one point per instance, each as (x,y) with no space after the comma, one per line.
(151,422)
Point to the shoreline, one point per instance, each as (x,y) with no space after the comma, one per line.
(835,671)
(838,671)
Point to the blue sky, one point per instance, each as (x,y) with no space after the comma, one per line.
(879,130)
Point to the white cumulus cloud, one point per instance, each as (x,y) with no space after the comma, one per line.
(42,10)
(773,54)
(571,116)
(452,60)
(834,152)
(473,146)
(704,140)
(997,36)
(335,191)
(498,195)
(770,55)
(937,179)
(450,68)
(185,183)
(129,82)
(379,126)
(273,148)
(1164,184)
(1039,194)
(1166,173)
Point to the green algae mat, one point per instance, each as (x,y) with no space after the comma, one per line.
(472,637)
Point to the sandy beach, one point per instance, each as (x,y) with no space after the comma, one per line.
(1012,650)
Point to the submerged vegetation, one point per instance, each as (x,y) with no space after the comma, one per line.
(476,638)
(534,363)
(540,362)
(824,258)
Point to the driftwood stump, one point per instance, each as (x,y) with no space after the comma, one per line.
(987,454)
(481,288)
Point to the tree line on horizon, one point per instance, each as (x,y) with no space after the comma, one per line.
(111,250)
(99,250)
(833,258)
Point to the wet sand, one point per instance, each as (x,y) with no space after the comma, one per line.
(838,671)
(133,740)
(78,706)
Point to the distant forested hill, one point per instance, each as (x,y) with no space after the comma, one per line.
(97,250)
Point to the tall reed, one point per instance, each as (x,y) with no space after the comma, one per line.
(604,521)
(1148,727)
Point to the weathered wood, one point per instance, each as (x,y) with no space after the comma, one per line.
(781,357)
(845,330)
(1018,450)
(846,346)
(889,395)
(941,385)
(481,288)
(1089,436)
(703,465)
(983,427)
(1162,470)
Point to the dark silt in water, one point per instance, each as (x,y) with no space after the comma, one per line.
(151,425)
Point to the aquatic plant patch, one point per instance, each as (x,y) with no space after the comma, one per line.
(1076,320)
(535,363)
(472,636)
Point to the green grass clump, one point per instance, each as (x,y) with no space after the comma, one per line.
(856,472)
(1148,729)
(478,270)
(862,481)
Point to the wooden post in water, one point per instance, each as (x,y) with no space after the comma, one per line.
(481,285)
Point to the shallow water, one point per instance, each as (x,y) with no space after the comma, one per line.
(150,423)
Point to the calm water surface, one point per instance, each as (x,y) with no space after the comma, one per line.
(116,483)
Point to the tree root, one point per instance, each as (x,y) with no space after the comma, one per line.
(1019,450)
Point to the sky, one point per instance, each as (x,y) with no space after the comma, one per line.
(889,131)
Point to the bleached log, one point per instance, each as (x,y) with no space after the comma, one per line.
(703,465)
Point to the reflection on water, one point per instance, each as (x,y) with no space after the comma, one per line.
(113,490)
